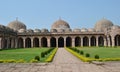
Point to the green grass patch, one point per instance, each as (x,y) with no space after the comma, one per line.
(26,54)
(103,52)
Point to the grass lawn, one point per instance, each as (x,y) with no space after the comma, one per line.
(24,53)
(103,52)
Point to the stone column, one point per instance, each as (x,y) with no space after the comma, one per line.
(0,43)
(16,42)
(39,41)
(81,41)
(108,40)
(8,43)
(64,41)
(31,42)
(24,42)
(113,41)
(89,41)
(105,42)
(73,42)
(97,41)
(12,43)
(48,42)
(57,42)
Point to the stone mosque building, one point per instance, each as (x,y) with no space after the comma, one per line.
(16,35)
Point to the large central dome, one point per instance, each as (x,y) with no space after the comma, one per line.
(60,24)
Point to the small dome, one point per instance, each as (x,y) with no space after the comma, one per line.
(16,25)
(84,30)
(76,30)
(102,24)
(44,30)
(30,31)
(37,30)
(53,30)
(60,24)
(21,30)
(91,30)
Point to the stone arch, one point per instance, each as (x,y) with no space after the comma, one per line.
(44,42)
(28,43)
(4,43)
(77,41)
(36,42)
(85,41)
(117,40)
(60,42)
(53,42)
(100,41)
(68,42)
(20,42)
(93,41)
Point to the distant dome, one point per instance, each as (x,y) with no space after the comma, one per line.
(60,24)
(103,24)
(91,30)
(16,25)
(76,30)
(44,30)
(21,30)
(37,30)
(84,30)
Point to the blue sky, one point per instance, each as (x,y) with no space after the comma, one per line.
(43,13)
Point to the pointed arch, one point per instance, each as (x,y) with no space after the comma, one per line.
(100,41)
(60,42)
(28,43)
(36,42)
(93,41)
(85,41)
(53,42)
(117,40)
(68,42)
(77,41)
(44,42)
(20,42)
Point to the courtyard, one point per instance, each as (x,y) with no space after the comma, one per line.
(62,62)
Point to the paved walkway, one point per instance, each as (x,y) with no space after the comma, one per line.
(63,62)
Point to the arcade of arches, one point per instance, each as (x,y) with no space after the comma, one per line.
(71,41)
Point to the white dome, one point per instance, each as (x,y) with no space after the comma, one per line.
(84,30)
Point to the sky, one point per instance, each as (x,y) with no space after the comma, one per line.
(43,13)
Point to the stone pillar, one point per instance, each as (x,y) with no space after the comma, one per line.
(24,42)
(48,42)
(108,40)
(97,41)
(113,41)
(64,41)
(105,42)
(31,42)
(8,43)
(73,42)
(12,43)
(0,43)
(81,41)
(57,42)
(89,41)
(16,42)
(39,41)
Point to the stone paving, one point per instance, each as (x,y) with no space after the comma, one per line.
(63,62)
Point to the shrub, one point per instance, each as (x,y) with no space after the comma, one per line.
(42,54)
(1,61)
(37,58)
(87,55)
(96,56)
(34,61)
(20,61)
(81,52)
